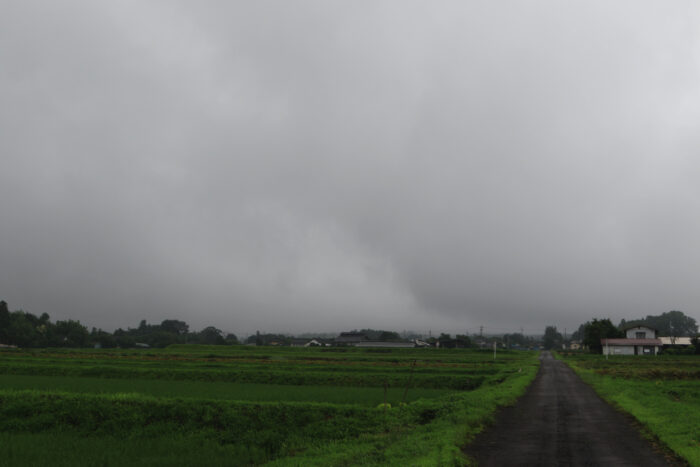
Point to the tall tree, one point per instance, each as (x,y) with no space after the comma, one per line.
(594,331)
(4,322)
(174,326)
(672,323)
(552,338)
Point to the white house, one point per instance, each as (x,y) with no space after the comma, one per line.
(639,340)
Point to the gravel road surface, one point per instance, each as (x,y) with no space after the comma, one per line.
(561,421)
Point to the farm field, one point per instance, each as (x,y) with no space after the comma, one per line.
(661,392)
(195,405)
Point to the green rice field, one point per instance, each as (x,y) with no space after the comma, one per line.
(201,405)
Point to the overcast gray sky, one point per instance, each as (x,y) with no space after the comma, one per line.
(323,165)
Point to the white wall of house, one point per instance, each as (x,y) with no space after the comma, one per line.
(618,350)
(640,332)
(629,350)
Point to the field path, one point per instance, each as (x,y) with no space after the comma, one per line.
(561,421)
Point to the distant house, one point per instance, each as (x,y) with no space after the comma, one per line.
(318,342)
(639,340)
(575,345)
(305,342)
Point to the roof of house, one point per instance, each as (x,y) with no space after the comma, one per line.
(630,341)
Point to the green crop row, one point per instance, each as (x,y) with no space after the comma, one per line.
(97,427)
(92,425)
(272,427)
(252,366)
(368,396)
(350,355)
(440,381)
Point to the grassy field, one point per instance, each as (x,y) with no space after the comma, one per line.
(198,405)
(661,392)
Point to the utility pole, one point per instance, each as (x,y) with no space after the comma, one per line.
(607,349)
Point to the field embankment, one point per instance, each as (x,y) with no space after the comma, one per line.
(661,392)
(190,405)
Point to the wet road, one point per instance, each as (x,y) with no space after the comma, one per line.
(561,421)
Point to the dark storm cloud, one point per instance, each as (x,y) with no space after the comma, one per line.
(324,165)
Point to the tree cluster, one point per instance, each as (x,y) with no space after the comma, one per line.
(552,338)
(381,335)
(672,323)
(518,340)
(597,329)
(27,330)
(460,341)
(268,339)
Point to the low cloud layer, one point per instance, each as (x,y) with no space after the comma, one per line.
(315,165)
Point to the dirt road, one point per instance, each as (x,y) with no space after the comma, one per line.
(561,421)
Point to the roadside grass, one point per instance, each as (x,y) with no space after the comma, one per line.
(668,408)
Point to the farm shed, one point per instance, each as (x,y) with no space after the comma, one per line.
(676,341)
(630,346)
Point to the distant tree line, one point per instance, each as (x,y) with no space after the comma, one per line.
(27,330)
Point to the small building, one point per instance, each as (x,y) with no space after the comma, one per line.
(676,341)
(318,342)
(630,346)
(305,342)
(575,345)
(640,340)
